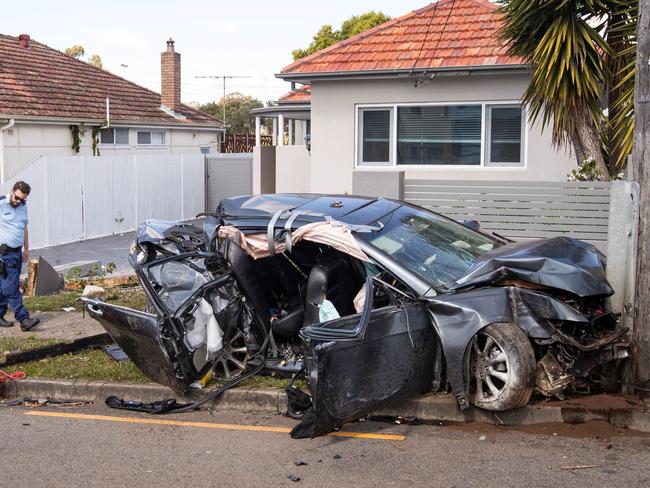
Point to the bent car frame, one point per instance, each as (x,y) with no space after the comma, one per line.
(372,299)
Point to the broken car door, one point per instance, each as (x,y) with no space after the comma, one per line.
(358,362)
(181,340)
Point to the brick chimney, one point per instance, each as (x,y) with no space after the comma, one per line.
(170,68)
(23,39)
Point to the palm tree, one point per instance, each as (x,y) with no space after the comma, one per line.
(577,73)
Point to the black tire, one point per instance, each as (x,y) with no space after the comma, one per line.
(501,368)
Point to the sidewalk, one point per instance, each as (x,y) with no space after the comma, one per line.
(65,326)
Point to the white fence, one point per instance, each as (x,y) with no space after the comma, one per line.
(79,197)
(228,175)
(520,209)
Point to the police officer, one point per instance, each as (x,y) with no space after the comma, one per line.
(14,248)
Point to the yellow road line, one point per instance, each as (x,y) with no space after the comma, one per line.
(207,425)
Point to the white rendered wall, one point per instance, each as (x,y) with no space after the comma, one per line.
(333,108)
(30,141)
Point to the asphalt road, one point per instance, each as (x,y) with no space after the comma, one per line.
(98,447)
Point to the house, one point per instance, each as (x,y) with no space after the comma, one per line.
(50,101)
(430,95)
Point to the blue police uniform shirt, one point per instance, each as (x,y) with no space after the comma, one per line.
(12,223)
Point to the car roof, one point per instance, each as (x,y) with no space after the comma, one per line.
(354,210)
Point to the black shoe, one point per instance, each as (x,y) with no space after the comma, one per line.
(29,323)
(5,323)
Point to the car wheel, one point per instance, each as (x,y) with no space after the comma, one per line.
(501,366)
(233,358)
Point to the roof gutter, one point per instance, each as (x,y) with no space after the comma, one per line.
(114,123)
(405,73)
(11,123)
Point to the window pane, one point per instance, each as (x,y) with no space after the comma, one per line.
(106,136)
(157,138)
(121,135)
(144,137)
(505,134)
(376,136)
(439,135)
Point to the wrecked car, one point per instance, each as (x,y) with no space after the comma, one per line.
(371,299)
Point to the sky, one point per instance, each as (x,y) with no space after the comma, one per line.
(215,38)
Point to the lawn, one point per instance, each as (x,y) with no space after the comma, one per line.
(132,297)
(95,364)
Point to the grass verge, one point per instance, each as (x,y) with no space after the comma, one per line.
(90,364)
(95,364)
(132,297)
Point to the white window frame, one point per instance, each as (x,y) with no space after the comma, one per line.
(151,131)
(393,135)
(359,137)
(488,134)
(115,144)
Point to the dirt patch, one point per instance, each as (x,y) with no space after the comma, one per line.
(600,403)
(596,429)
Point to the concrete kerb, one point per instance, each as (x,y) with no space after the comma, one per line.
(427,408)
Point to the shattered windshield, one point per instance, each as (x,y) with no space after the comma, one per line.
(175,281)
(437,249)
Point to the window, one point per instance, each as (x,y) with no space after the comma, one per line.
(504,128)
(375,136)
(151,138)
(115,135)
(479,134)
(439,134)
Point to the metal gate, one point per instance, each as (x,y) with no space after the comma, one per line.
(227,175)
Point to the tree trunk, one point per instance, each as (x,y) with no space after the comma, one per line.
(577,147)
(589,139)
(615,63)
(641,162)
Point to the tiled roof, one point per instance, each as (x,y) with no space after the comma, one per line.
(298,95)
(445,34)
(39,81)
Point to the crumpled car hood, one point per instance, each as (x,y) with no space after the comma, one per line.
(561,262)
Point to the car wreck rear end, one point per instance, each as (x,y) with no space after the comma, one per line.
(420,303)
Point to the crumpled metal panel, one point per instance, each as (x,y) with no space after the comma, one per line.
(138,334)
(561,262)
(349,378)
(458,317)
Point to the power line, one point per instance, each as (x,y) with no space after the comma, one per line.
(224,78)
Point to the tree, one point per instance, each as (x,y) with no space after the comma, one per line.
(96,61)
(326,35)
(579,53)
(641,165)
(238,112)
(75,51)
(78,52)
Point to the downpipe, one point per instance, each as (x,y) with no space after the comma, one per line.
(4,128)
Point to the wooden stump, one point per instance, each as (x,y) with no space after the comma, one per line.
(32,269)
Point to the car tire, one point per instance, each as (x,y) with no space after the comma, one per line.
(501,368)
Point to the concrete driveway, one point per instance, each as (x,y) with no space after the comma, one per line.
(108,249)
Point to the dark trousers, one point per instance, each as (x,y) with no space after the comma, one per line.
(10,286)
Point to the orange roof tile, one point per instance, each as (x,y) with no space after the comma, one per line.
(38,81)
(447,33)
(298,95)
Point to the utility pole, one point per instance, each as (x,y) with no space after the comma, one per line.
(641,166)
(224,78)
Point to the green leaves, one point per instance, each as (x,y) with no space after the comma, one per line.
(581,54)
(326,35)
